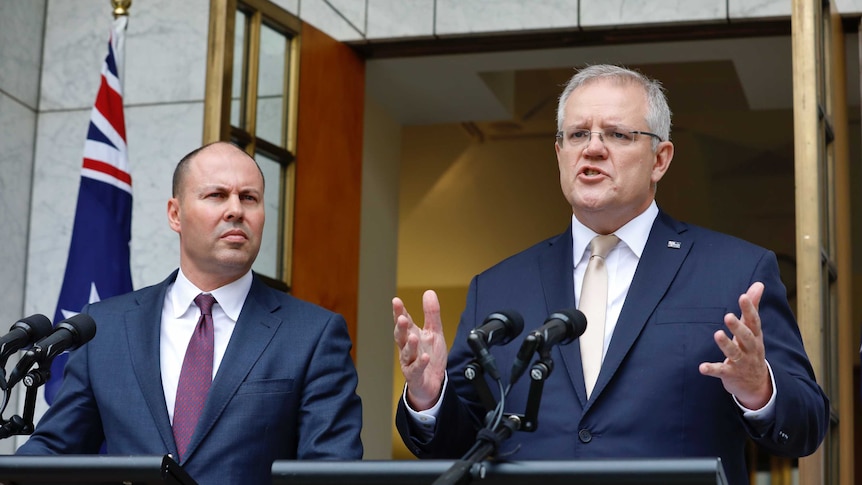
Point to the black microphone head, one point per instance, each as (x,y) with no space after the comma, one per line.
(38,326)
(82,327)
(575,323)
(513,324)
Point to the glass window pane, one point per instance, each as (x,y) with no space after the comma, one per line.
(271,86)
(268,260)
(237,91)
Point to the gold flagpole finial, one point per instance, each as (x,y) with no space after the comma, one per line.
(121,7)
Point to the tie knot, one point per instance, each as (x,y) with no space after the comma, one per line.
(205,302)
(601,245)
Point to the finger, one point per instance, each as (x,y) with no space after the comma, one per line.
(755,292)
(431,307)
(407,356)
(729,348)
(750,321)
(398,309)
(749,304)
(402,331)
(738,328)
(711,369)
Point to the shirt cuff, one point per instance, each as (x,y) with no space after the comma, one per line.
(767,412)
(425,422)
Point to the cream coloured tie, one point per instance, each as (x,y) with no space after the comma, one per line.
(593,303)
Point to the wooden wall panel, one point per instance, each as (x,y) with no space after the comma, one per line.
(328,175)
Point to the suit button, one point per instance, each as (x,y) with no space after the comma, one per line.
(585,436)
(783,437)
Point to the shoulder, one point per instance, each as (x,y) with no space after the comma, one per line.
(558,248)
(281,303)
(704,239)
(147,296)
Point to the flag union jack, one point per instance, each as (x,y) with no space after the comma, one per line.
(98,262)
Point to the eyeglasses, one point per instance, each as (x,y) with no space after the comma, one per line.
(610,137)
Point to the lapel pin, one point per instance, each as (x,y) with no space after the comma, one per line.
(674,244)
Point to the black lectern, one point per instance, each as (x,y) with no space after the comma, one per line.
(92,469)
(683,471)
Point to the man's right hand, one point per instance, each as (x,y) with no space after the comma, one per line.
(422,351)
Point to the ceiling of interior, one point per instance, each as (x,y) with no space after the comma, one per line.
(741,83)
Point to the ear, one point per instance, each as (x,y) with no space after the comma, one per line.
(663,157)
(174,214)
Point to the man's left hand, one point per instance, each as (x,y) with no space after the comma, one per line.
(744,372)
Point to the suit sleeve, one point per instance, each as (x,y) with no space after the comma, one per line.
(802,408)
(72,424)
(460,411)
(330,412)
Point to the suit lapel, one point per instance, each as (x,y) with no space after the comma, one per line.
(143,327)
(251,335)
(556,265)
(666,249)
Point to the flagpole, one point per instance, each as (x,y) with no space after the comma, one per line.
(121,7)
(121,20)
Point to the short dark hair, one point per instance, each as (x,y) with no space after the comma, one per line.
(183,166)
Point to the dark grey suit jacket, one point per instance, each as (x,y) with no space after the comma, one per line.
(285,389)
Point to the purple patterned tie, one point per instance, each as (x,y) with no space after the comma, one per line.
(195,377)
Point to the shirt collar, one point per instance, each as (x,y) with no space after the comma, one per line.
(634,233)
(230,297)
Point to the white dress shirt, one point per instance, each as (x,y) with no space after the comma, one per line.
(180,316)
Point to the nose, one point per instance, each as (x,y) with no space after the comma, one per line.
(595,144)
(234,208)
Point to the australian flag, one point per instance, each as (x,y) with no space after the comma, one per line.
(98,263)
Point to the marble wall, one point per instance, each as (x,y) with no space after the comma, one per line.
(21,33)
(372,21)
(20,49)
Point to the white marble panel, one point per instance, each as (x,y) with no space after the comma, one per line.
(846,7)
(388,19)
(291,6)
(352,10)
(76,39)
(165,52)
(21,26)
(57,171)
(462,17)
(18,126)
(758,10)
(324,17)
(155,146)
(610,13)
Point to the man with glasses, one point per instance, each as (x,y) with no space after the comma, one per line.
(696,348)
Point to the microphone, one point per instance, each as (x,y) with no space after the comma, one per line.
(560,327)
(499,328)
(69,334)
(23,333)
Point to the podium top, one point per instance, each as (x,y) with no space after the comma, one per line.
(682,471)
(92,469)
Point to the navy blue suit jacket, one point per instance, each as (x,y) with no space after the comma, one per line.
(285,389)
(650,400)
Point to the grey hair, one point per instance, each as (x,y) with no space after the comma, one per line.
(658,112)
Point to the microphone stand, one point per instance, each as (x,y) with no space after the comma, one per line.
(488,440)
(17,425)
